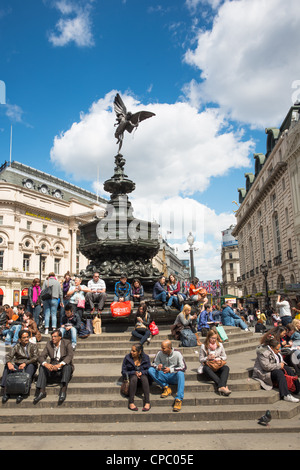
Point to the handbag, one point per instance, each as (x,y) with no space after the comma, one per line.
(125,386)
(290,380)
(120,309)
(153,328)
(216,365)
(46,293)
(18,383)
(81,303)
(176,329)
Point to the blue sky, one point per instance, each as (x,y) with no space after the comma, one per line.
(216,73)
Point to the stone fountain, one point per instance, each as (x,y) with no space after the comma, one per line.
(119,243)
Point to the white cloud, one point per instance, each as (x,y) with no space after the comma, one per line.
(73,26)
(14,112)
(194,4)
(179,148)
(248,60)
(170,157)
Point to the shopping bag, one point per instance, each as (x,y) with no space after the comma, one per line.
(120,309)
(221,333)
(153,328)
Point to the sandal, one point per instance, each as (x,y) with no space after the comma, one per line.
(133,409)
(146,409)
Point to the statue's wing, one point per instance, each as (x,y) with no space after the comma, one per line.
(119,106)
(136,118)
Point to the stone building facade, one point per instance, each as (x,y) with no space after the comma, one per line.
(40,216)
(268,218)
(230,264)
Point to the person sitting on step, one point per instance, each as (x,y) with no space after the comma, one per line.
(122,289)
(205,320)
(269,369)
(137,292)
(96,292)
(71,324)
(168,368)
(23,356)
(229,318)
(59,369)
(142,322)
(135,366)
(213,350)
(160,293)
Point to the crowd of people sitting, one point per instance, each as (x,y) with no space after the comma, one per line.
(197,323)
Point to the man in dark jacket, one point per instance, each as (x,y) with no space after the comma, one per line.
(23,356)
(59,369)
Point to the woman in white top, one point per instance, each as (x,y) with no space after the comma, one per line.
(284,310)
(76,296)
(212,350)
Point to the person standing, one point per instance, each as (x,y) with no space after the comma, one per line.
(284,310)
(51,305)
(168,368)
(34,300)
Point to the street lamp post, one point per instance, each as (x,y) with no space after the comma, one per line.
(265,272)
(190,240)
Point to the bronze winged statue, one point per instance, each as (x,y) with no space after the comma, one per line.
(126,121)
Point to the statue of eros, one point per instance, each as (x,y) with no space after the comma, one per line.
(127,121)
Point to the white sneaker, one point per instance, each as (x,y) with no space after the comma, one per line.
(291,399)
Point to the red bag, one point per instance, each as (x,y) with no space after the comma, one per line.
(153,328)
(120,309)
(290,379)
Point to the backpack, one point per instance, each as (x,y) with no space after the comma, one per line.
(188,338)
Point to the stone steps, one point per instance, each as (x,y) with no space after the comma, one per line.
(206,428)
(94,405)
(120,415)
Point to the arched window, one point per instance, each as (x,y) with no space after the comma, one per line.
(280,282)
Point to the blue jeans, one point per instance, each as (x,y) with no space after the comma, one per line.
(36,310)
(142,336)
(286,320)
(240,323)
(50,309)
(164,380)
(72,332)
(174,300)
(12,334)
(162,296)
(126,299)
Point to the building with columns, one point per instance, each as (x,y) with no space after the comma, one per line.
(268,218)
(40,217)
